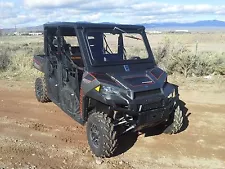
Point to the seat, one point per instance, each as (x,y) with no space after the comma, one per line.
(76,56)
(67,47)
(77,59)
(75,50)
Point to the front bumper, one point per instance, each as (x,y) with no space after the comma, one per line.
(155,116)
(150,110)
(150,117)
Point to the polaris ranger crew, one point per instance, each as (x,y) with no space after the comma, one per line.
(105,77)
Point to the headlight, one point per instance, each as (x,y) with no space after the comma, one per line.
(109,90)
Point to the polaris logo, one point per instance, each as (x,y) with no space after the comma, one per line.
(126,68)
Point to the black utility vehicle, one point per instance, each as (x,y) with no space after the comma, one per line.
(105,77)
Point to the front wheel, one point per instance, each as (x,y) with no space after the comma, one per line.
(41,90)
(101,134)
(175,122)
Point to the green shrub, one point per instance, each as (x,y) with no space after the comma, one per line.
(16,60)
(220,66)
(184,62)
(177,58)
(4,59)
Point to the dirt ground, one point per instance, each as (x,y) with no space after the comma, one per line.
(35,135)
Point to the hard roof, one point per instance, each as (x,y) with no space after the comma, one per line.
(92,25)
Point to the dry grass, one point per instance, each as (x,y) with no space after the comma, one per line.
(20,51)
(213,42)
(176,56)
(17,52)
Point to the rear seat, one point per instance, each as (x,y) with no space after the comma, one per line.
(76,56)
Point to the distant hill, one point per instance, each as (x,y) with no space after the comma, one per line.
(25,29)
(206,23)
(165,26)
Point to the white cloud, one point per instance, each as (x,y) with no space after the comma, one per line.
(81,4)
(6,5)
(49,3)
(133,11)
(164,8)
(91,18)
(7,11)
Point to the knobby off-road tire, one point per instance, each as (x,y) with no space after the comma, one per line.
(175,122)
(41,90)
(101,135)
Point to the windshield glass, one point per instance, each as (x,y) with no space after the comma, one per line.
(116,46)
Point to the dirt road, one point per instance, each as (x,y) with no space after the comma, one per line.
(35,135)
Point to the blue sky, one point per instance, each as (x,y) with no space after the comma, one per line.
(36,12)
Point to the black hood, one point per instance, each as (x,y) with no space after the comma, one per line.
(136,81)
(141,81)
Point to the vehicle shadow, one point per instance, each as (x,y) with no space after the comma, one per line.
(157,130)
(125,142)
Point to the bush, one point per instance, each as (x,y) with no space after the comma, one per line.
(205,64)
(220,67)
(162,52)
(4,59)
(184,62)
(16,60)
(177,58)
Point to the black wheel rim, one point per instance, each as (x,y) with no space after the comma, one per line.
(95,135)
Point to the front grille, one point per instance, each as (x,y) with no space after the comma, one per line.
(147,93)
(151,106)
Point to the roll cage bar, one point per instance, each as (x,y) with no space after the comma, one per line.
(59,32)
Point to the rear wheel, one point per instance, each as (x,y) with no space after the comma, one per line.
(41,90)
(101,134)
(175,122)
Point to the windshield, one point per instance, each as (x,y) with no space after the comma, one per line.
(116,46)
